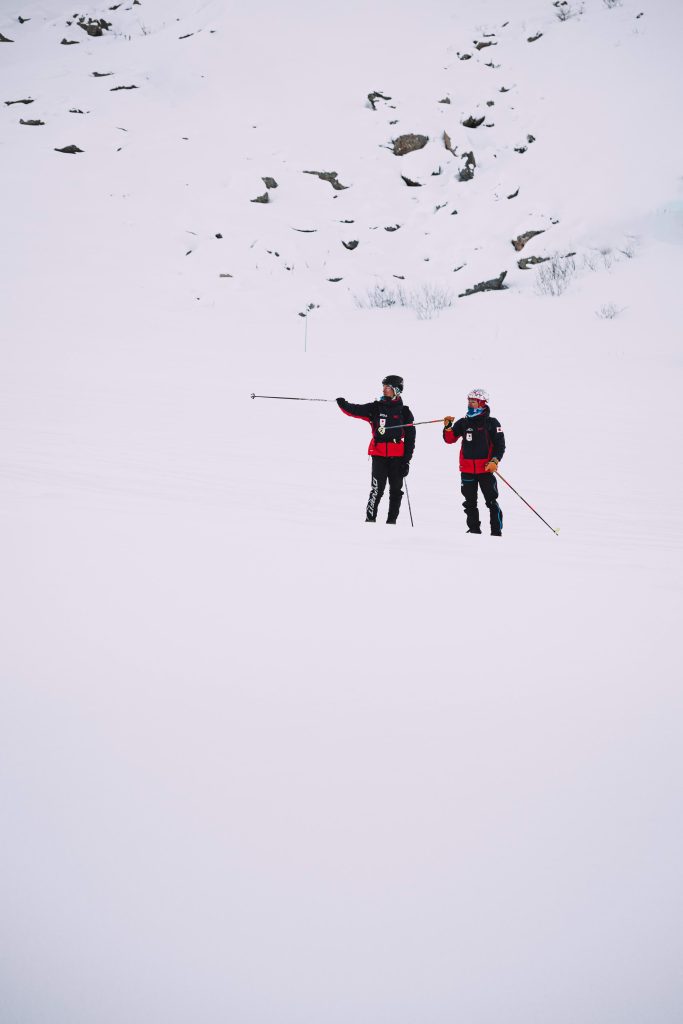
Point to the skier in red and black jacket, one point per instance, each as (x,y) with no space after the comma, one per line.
(391,447)
(483,446)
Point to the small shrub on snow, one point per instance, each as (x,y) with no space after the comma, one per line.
(608,312)
(427,301)
(553,277)
(612,3)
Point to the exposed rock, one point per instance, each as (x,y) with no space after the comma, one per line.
(494,285)
(305,231)
(456,269)
(102,74)
(265,198)
(521,149)
(374,96)
(490,103)
(9,103)
(347,222)
(218,235)
(532,39)
(472,122)
(531,261)
(335,280)
(4,39)
(446,99)
(482,45)
(69,149)
(503,89)
(330,176)
(448,144)
(393,227)
(519,242)
(530,139)
(186,36)
(454,213)
(225,275)
(351,245)
(22,21)
(464,56)
(70,42)
(35,123)
(399,277)
(409,143)
(94,26)
(467,172)
(118,88)
(269,182)
(513,195)
(437,172)
(410,183)
(75,110)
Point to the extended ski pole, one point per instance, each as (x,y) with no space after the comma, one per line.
(405,484)
(287,398)
(556,532)
(417,423)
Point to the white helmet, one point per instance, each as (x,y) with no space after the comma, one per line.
(479,395)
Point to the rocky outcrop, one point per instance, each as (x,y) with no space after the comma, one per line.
(330,176)
(408,144)
(521,240)
(494,285)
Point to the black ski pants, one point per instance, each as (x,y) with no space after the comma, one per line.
(385,468)
(469,485)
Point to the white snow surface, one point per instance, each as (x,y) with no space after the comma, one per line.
(259,761)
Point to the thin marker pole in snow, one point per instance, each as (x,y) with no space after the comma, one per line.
(405,484)
(287,398)
(556,532)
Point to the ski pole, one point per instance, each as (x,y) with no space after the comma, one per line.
(405,484)
(556,532)
(287,398)
(417,423)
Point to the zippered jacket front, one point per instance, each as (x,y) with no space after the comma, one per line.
(482,440)
(382,414)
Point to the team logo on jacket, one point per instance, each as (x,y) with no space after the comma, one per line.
(382,424)
(468,437)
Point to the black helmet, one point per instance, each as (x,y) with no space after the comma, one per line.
(395,382)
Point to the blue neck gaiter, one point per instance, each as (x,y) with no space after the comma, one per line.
(474,412)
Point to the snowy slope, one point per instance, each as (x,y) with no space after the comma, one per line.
(260,761)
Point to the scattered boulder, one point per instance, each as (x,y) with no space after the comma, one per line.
(531,261)
(351,245)
(409,143)
(9,103)
(521,240)
(393,227)
(33,123)
(94,26)
(22,21)
(70,42)
(483,45)
(503,89)
(467,172)
(102,74)
(472,122)
(75,110)
(494,285)
(69,149)
(186,36)
(464,56)
(269,182)
(265,198)
(305,231)
(513,195)
(330,176)
(335,280)
(446,99)
(225,275)
(374,96)
(448,144)
(4,39)
(410,183)
(532,39)
(118,88)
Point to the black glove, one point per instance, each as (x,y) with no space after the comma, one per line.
(340,402)
(406,468)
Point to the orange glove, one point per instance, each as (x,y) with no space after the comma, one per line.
(491,466)
(448,422)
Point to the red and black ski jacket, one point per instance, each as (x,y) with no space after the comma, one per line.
(482,440)
(397,443)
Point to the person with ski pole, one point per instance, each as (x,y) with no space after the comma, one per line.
(391,447)
(482,448)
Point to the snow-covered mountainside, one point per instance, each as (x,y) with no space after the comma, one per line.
(261,761)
